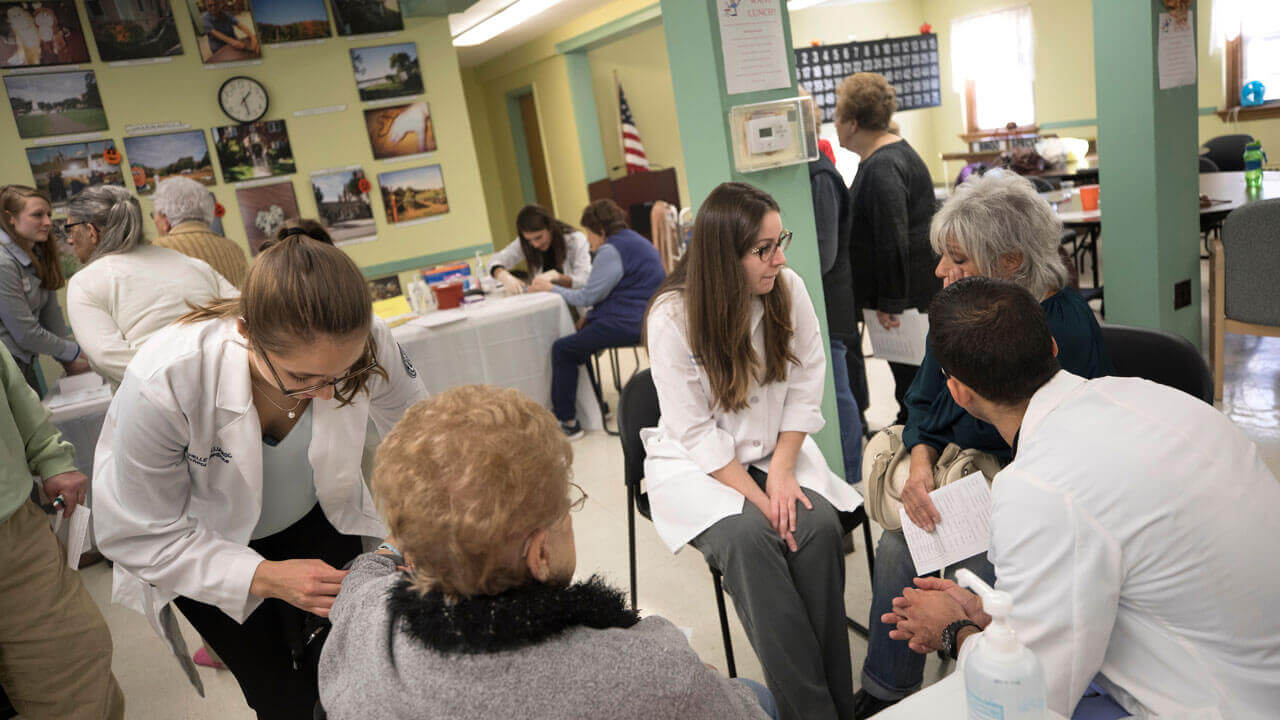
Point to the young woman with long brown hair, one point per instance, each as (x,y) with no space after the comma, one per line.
(738,362)
(31,322)
(227,478)
(543,243)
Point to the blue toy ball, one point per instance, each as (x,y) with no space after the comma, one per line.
(1252,93)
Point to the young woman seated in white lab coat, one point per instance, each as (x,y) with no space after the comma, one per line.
(227,476)
(547,247)
(738,363)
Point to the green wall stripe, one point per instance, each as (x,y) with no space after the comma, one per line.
(611,31)
(409,264)
(527,190)
(583,96)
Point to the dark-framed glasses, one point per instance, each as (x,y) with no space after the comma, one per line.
(67,228)
(354,373)
(766,251)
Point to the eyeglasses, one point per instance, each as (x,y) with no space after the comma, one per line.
(312,388)
(68,226)
(766,251)
(577,497)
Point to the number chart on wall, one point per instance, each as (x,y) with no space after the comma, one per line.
(910,64)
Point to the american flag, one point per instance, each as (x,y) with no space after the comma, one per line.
(632,147)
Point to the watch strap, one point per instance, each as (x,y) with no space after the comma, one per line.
(950,635)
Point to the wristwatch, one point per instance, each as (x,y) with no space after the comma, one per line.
(949,634)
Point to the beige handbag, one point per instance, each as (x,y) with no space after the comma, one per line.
(886,464)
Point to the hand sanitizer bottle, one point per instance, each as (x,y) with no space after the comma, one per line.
(1002,677)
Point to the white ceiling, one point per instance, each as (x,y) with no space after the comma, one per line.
(560,14)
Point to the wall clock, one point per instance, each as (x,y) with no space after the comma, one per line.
(243,99)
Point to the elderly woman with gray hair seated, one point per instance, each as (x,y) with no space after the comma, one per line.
(183,211)
(128,289)
(992,226)
(469,610)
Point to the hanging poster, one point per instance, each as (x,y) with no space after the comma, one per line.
(755,51)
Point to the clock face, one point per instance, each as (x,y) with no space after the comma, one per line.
(243,99)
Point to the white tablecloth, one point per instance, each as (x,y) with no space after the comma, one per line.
(943,700)
(80,424)
(501,341)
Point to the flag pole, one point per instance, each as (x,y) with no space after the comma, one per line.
(617,108)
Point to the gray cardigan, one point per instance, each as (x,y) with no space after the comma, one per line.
(31,322)
(645,671)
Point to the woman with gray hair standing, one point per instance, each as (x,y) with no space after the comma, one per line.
(993,226)
(128,289)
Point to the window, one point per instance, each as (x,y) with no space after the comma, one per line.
(992,66)
(1248,34)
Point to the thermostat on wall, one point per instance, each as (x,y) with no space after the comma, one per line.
(773,134)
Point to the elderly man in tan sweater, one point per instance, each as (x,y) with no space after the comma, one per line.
(183,212)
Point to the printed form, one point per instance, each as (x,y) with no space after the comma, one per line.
(965,529)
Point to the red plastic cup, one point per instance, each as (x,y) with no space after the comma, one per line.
(1089,197)
(448,295)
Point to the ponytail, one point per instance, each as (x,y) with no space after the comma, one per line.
(115,213)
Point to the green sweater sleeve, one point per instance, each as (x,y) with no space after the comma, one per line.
(47,454)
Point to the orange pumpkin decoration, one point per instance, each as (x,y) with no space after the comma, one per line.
(364,185)
(111,156)
(219,210)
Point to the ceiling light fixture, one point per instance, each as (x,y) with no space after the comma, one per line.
(502,21)
(794,5)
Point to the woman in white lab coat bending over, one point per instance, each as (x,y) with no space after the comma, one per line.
(738,363)
(227,477)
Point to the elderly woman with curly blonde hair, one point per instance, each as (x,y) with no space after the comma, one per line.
(469,609)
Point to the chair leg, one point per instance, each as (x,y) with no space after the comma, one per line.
(724,623)
(616,366)
(593,374)
(631,539)
(854,625)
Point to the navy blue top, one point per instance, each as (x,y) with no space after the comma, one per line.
(642,273)
(935,419)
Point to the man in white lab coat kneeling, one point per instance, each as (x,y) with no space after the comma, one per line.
(1126,529)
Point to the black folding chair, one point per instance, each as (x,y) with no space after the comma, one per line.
(1159,356)
(638,409)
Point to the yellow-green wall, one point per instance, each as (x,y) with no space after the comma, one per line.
(297,78)
(537,65)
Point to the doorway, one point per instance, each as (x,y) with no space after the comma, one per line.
(531,159)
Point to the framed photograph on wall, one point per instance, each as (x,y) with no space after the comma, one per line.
(224,30)
(414,193)
(343,205)
(41,33)
(63,171)
(263,209)
(254,150)
(56,103)
(387,71)
(281,21)
(153,158)
(361,17)
(134,29)
(384,288)
(400,130)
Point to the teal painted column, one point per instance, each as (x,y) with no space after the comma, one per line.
(584,116)
(1147,145)
(702,108)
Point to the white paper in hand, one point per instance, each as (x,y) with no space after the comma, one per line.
(964,531)
(77,536)
(903,344)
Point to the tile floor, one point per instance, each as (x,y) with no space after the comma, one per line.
(675,586)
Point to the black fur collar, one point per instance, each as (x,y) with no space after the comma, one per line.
(517,618)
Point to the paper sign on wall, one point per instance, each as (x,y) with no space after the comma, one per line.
(1176,51)
(754,49)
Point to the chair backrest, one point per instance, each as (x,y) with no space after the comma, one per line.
(1250,235)
(637,410)
(1227,151)
(1207,165)
(1159,356)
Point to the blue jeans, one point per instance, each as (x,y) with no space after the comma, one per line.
(763,696)
(847,412)
(570,351)
(892,670)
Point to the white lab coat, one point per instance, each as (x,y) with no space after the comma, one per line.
(693,440)
(1136,530)
(177,478)
(577,258)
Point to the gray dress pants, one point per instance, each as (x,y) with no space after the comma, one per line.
(791,604)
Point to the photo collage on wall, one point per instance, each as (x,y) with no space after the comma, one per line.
(52,102)
(909,64)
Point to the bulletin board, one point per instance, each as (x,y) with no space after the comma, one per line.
(910,64)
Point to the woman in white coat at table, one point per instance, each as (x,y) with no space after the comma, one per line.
(547,247)
(227,478)
(128,289)
(738,362)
